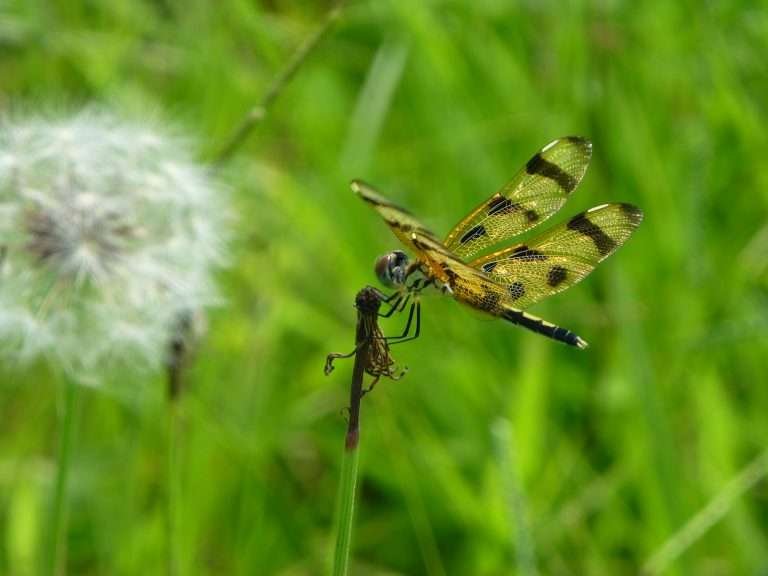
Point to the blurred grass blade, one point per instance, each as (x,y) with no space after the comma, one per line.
(708,516)
(347,492)
(25,514)
(57,549)
(523,546)
(373,104)
(409,478)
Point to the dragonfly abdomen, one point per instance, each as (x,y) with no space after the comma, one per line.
(540,326)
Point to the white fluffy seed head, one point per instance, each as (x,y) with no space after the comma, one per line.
(108,231)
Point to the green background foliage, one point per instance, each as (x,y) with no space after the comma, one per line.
(500,452)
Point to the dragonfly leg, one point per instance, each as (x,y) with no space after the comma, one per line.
(393,307)
(416,285)
(404,337)
(419,284)
(408,323)
(388,299)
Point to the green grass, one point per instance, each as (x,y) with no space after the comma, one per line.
(614,448)
(346,511)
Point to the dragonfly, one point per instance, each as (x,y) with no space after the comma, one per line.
(472,264)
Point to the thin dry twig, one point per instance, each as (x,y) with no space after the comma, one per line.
(257,114)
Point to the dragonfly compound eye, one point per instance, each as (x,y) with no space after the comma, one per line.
(390,268)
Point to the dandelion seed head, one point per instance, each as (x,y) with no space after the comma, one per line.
(108,231)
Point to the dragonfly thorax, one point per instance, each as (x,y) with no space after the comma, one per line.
(391,268)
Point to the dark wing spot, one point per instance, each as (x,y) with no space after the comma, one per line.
(489,301)
(531,215)
(473,233)
(419,244)
(400,225)
(538,165)
(516,290)
(381,202)
(581,224)
(633,213)
(556,276)
(526,254)
(501,205)
(408,228)
(580,140)
(489,266)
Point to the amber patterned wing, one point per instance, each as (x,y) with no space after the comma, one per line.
(561,256)
(535,193)
(400,220)
(476,289)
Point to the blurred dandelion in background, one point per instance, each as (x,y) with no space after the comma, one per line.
(108,231)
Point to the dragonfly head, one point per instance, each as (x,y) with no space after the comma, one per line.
(391,268)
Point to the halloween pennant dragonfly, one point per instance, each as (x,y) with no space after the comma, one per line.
(504,282)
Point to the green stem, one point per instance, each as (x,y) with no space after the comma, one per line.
(523,548)
(257,114)
(346,509)
(172,496)
(57,549)
(707,517)
(177,357)
(348,486)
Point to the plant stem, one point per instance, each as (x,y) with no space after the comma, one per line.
(349,460)
(257,114)
(57,549)
(371,355)
(346,509)
(177,357)
(172,496)
(347,491)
